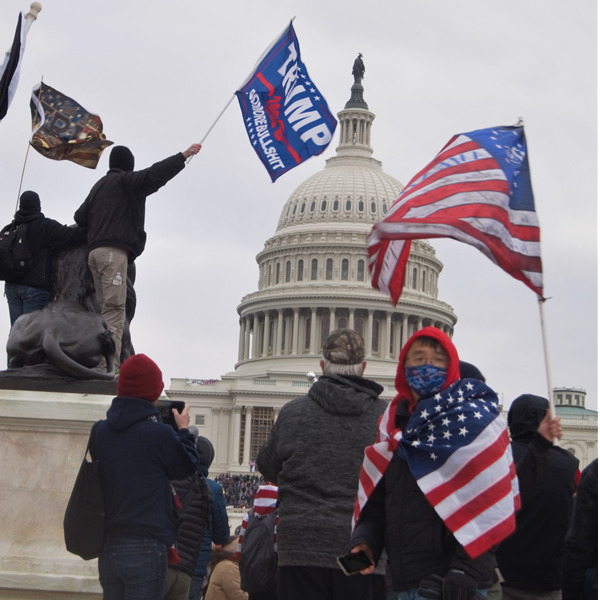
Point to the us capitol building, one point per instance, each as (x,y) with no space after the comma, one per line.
(312,279)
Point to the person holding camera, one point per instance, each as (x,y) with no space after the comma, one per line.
(139,455)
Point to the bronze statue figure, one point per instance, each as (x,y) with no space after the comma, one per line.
(358,69)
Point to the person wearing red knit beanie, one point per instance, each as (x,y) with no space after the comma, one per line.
(139,456)
(140,377)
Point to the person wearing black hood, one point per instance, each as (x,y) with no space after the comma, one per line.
(530,559)
(217,532)
(114,213)
(32,291)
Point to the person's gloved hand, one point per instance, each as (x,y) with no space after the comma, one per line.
(430,587)
(457,585)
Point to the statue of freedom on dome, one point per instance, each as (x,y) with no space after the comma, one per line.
(358,69)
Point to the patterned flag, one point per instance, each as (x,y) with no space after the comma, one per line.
(286,117)
(477,190)
(63,129)
(10,68)
(456,446)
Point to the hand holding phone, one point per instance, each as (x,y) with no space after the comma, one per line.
(354,563)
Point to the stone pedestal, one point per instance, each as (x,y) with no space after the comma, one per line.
(43,436)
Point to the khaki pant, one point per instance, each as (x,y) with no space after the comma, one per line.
(108,266)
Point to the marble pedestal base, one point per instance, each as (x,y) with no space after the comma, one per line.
(43,436)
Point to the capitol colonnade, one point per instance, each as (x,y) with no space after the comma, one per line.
(299,331)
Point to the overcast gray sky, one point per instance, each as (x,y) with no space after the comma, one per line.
(158,73)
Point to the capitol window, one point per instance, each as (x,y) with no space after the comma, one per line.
(361,206)
(302,208)
(336,205)
(345,269)
(300,269)
(360,270)
(329,269)
(288,271)
(277,272)
(312,206)
(373,207)
(348,205)
(314,266)
(324,206)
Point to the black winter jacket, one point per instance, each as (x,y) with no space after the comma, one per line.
(415,538)
(194,495)
(115,209)
(44,238)
(531,557)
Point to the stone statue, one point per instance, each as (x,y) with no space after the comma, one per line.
(358,69)
(69,337)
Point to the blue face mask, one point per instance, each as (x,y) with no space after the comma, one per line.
(425,380)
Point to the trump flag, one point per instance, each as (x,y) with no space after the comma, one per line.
(63,129)
(286,117)
(477,190)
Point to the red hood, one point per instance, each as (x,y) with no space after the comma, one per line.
(453,374)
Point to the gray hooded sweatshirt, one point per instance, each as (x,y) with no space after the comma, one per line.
(314,454)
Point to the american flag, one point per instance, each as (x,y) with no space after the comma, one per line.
(477,190)
(11,66)
(456,446)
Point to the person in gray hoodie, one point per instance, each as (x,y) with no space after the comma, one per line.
(314,454)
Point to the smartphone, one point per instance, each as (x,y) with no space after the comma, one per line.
(354,563)
(164,408)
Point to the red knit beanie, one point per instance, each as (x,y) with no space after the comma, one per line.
(140,377)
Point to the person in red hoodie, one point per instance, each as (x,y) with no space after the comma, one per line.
(441,461)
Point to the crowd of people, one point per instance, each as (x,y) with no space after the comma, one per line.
(432,496)
(239,490)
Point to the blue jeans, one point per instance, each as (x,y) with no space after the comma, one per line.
(23,299)
(133,569)
(412,594)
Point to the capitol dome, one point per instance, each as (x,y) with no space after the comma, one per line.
(312,278)
(313,272)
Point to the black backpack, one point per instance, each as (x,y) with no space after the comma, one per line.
(15,257)
(258,562)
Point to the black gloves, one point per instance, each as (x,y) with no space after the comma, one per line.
(431,587)
(457,585)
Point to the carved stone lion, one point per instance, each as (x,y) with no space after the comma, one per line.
(69,333)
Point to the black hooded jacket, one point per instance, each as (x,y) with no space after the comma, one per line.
(115,209)
(531,557)
(195,496)
(44,238)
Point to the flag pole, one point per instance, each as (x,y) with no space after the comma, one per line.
(241,86)
(541,301)
(34,10)
(546,359)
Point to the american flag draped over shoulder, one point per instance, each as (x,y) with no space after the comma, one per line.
(477,190)
(63,130)
(456,446)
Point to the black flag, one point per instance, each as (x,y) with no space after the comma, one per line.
(9,70)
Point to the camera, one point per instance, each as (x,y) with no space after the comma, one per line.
(164,408)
